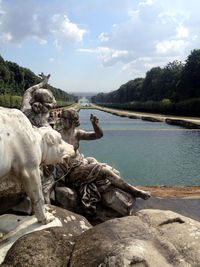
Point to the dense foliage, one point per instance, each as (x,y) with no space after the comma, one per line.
(174,89)
(14,80)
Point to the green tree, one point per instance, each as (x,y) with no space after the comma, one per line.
(171,77)
(14,80)
(190,79)
(151,89)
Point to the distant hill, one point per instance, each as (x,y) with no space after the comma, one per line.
(14,80)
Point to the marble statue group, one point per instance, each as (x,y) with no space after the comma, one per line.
(49,164)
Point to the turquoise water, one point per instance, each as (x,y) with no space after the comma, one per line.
(145,153)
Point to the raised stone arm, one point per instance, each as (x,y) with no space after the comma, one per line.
(44,77)
(98,132)
(29,92)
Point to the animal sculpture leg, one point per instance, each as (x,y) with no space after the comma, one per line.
(32,185)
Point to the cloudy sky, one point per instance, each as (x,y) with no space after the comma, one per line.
(97,45)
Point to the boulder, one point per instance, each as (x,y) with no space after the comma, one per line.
(11,193)
(153,238)
(114,203)
(67,198)
(119,201)
(41,245)
(182,233)
(48,247)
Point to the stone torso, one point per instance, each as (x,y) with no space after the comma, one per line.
(71,138)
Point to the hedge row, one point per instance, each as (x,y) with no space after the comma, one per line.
(10,101)
(190,107)
(13,101)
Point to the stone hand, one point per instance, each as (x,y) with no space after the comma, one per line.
(94,120)
(44,77)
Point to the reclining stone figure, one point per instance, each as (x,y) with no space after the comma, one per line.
(88,175)
(23,148)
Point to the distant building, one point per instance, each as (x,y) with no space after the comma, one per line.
(85,104)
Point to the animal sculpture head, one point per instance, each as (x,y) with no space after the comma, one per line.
(54,149)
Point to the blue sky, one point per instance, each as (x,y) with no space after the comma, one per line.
(97,45)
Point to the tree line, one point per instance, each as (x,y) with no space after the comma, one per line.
(14,80)
(174,89)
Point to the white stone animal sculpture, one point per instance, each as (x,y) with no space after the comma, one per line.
(23,148)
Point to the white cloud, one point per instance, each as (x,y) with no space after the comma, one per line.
(85,50)
(103,37)
(107,55)
(58,45)
(142,33)
(133,13)
(111,56)
(173,16)
(1,8)
(66,30)
(139,61)
(171,46)
(194,37)
(140,66)
(5,37)
(182,32)
(154,29)
(19,22)
(147,3)
(43,42)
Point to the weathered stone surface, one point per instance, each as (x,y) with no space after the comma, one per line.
(114,203)
(118,200)
(154,238)
(118,242)
(50,246)
(181,232)
(67,198)
(152,119)
(24,207)
(75,223)
(133,117)
(183,123)
(188,207)
(11,193)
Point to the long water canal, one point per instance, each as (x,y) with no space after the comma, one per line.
(145,153)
